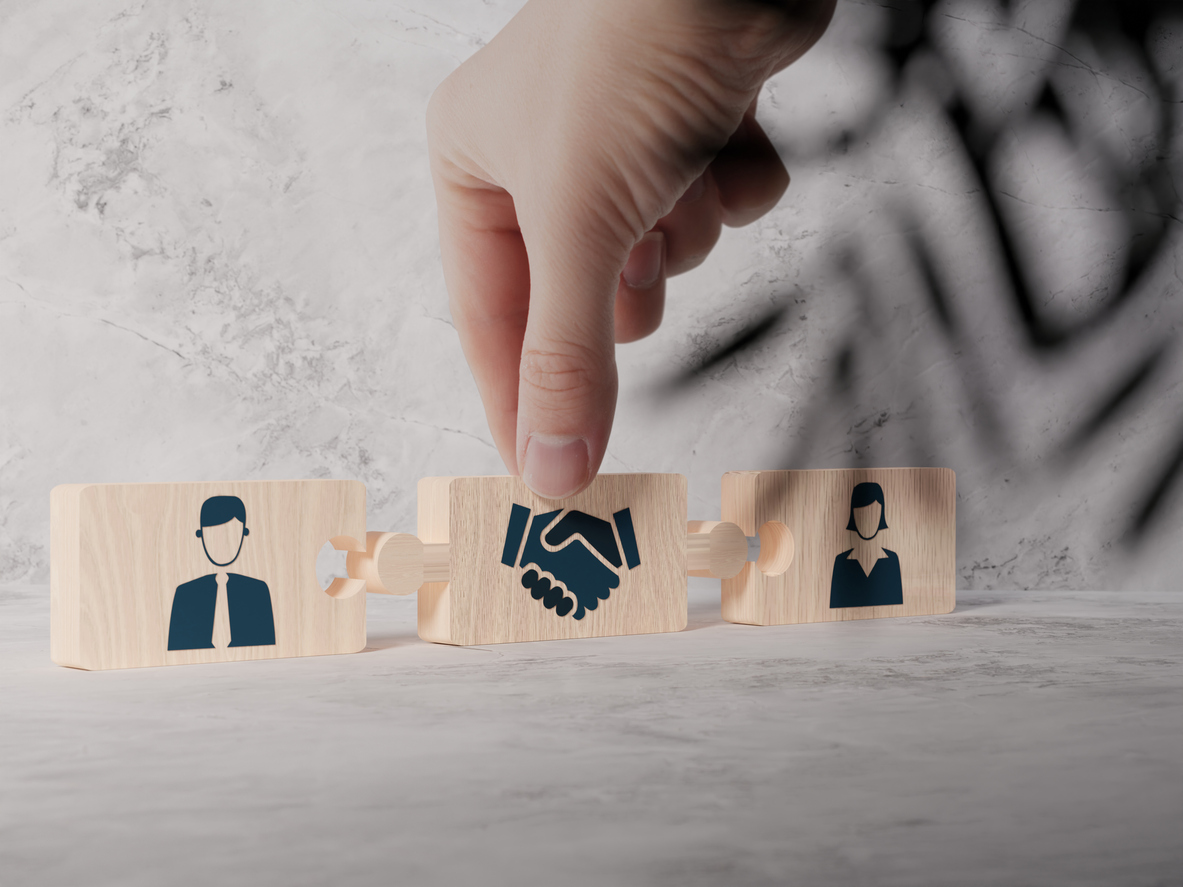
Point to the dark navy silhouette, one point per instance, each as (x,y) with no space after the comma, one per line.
(252,624)
(576,580)
(849,585)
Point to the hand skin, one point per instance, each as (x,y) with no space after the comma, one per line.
(590,150)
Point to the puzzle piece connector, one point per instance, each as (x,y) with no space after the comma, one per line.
(399,563)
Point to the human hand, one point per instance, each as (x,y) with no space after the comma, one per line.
(590,150)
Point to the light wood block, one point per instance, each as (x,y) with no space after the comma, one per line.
(812,568)
(608,561)
(130,577)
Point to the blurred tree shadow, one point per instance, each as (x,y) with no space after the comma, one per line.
(1145,200)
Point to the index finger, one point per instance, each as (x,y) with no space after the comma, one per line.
(488,278)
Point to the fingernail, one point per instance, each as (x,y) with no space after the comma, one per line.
(643,268)
(555,467)
(695,191)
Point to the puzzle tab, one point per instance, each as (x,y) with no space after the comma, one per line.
(608,561)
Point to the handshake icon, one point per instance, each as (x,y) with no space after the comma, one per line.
(572,559)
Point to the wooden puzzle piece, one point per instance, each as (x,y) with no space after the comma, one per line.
(164,574)
(161,574)
(521,569)
(842,544)
(501,564)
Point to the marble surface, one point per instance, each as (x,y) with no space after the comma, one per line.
(218,260)
(1027,738)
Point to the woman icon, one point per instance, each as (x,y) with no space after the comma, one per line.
(866,575)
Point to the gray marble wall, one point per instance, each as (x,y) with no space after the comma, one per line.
(218,259)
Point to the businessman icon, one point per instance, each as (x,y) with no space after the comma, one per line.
(572,559)
(247,601)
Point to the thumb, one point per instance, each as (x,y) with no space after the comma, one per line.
(567,376)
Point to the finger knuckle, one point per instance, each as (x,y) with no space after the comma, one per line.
(438,111)
(447,106)
(570,372)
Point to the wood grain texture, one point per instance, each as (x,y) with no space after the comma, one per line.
(65,602)
(485,601)
(434,598)
(120,552)
(815,506)
(391,564)
(715,549)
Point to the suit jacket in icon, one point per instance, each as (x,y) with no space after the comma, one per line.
(191,626)
(851,587)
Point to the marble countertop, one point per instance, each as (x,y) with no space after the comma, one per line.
(1028,738)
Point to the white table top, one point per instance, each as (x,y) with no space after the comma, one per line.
(1028,738)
